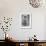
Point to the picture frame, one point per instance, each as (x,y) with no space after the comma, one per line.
(26,21)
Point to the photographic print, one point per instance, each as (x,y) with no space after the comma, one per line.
(26,21)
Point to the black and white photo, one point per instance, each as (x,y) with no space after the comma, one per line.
(26,21)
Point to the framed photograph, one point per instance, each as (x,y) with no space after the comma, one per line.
(26,21)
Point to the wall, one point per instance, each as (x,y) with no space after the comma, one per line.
(13,8)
